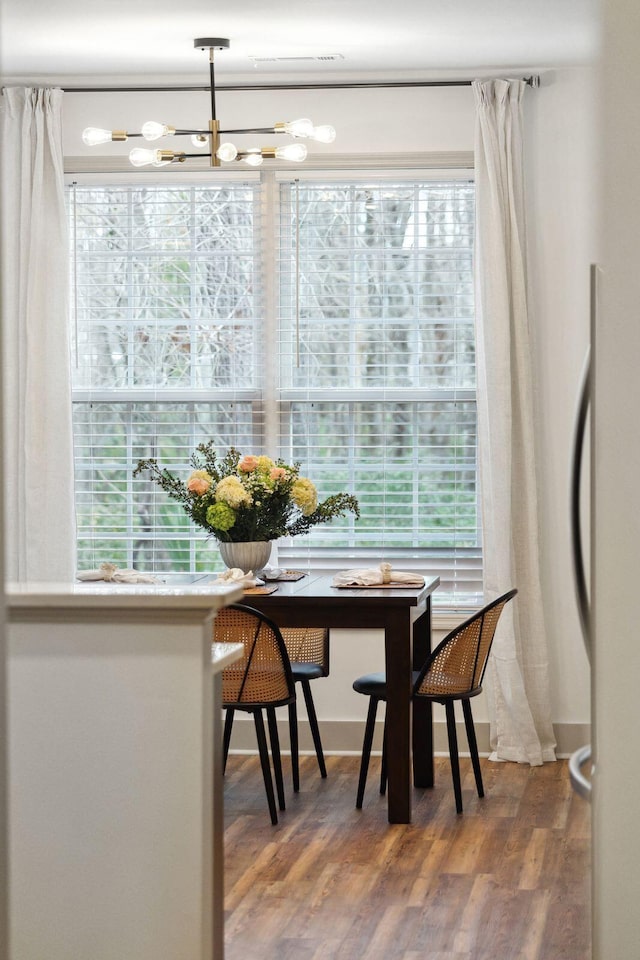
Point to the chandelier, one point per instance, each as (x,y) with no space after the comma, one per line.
(219,151)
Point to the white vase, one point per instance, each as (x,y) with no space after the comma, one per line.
(250,555)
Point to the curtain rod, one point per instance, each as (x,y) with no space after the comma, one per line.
(532,81)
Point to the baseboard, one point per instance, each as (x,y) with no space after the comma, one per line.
(341,737)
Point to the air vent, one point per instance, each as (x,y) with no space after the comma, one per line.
(329,57)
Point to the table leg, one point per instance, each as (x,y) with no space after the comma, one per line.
(397,639)
(422,729)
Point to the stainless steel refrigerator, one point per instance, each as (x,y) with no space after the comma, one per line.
(615,498)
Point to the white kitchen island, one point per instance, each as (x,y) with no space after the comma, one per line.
(114,772)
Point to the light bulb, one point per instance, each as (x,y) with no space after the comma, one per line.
(92,136)
(324,134)
(298,128)
(200,140)
(226,152)
(252,157)
(153,130)
(140,157)
(292,151)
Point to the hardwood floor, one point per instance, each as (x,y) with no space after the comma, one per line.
(506,880)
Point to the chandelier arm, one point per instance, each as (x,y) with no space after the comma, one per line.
(251,130)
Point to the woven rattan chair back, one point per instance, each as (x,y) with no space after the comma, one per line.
(456,667)
(308,645)
(262,676)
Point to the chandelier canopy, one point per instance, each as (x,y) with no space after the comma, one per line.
(219,152)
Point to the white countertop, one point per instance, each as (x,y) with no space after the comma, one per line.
(140,595)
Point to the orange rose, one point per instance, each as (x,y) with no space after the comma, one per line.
(277,473)
(199,482)
(248,464)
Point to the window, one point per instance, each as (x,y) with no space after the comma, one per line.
(358,361)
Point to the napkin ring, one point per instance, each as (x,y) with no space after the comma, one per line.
(385,569)
(108,571)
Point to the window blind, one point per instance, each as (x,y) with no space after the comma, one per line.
(377,370)
(167,298)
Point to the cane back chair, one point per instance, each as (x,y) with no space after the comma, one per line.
(308,649)
(260,680)
(454,671)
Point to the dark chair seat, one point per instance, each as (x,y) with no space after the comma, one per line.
(307,671)
(375,684)
(454,671)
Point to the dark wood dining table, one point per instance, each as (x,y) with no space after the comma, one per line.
(404,613)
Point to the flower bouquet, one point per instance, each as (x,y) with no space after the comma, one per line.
(247,498)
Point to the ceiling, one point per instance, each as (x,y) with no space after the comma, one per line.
(150,41)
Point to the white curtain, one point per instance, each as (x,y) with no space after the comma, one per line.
(517,678)
(38,461)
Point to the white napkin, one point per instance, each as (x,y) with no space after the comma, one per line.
(111,573)
(237,576)
(372,577)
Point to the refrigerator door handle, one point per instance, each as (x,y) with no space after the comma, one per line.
(582,595)
(585,400)
(580,783)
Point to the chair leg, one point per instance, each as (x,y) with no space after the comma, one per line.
(226,740)
(293,735)
(275,753)
(453,753)
(313,723)
(366,749)
(383,765)
(473,745)
(264,762)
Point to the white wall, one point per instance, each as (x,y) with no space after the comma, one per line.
(562,188)
(559,121)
